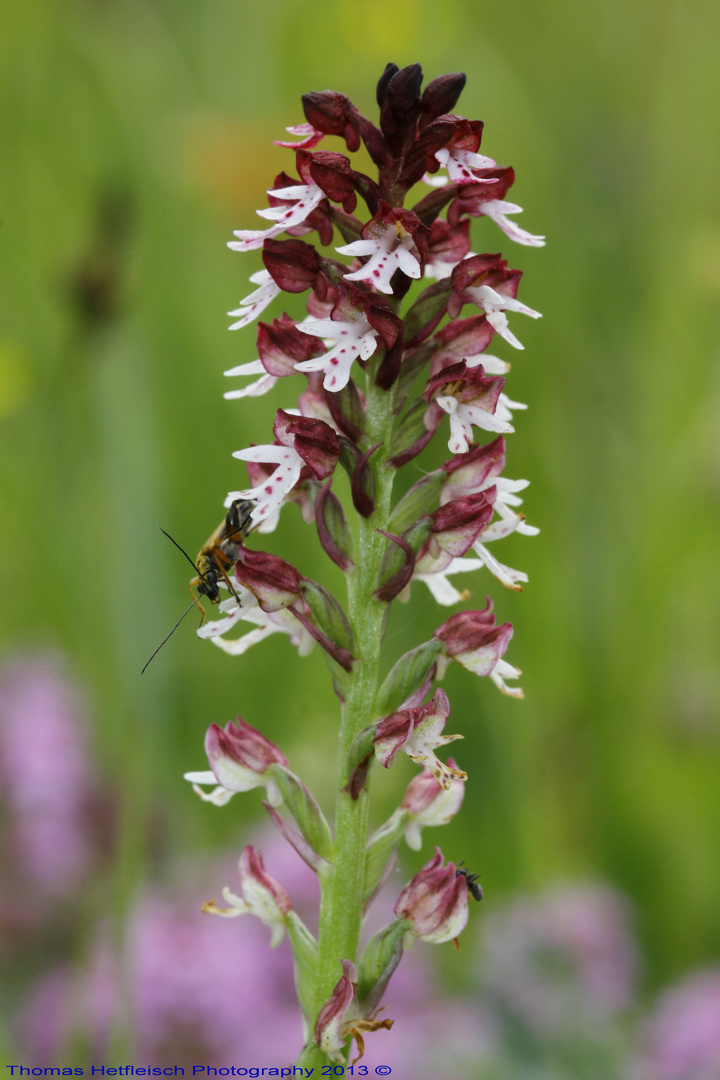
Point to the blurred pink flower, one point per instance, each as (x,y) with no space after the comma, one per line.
(682,1035)
(47,780)
(562,962)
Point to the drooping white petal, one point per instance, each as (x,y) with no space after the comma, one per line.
(442,590)
(502,671)
(270,493)
(495,304)
(256,302)
(305,198)
(277,622)
(498,209)
(256,389)
(219,796)
(504,407)
(493,365)
(505,574)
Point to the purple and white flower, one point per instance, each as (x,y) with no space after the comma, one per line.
(303,199)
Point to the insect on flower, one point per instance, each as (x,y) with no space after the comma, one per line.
(214,560)
(471,880)
(220,551)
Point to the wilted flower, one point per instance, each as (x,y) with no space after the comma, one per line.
(428,803)
(417,732)
(262,896)
(435,903)
(473,639)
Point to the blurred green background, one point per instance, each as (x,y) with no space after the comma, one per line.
(136,136)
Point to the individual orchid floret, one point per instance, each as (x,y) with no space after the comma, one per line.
(255,302)
(294,204)
(354,339)
(478,470)
(267,623)
(262,897)
(476,201)
(240,758)
(303,442)
(473,639)
(498,209)
(270,494)
(280,346)
(435,903)
(495,304)
(394,240)
(460,156)
(417,732)
(427,803)
(469,398)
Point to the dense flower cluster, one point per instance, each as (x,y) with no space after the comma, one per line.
(390,355)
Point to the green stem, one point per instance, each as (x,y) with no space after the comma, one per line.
(342,886)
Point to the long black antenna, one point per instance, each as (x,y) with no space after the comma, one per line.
(183,551)
(192,605)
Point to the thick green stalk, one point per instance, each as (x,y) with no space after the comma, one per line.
(342,886)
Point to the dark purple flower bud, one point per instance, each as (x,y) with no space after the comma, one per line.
(332,173)
(362,484)
(292,264)
(333,114)
(435,904)
(440,96)
(397,581)
(333,530)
